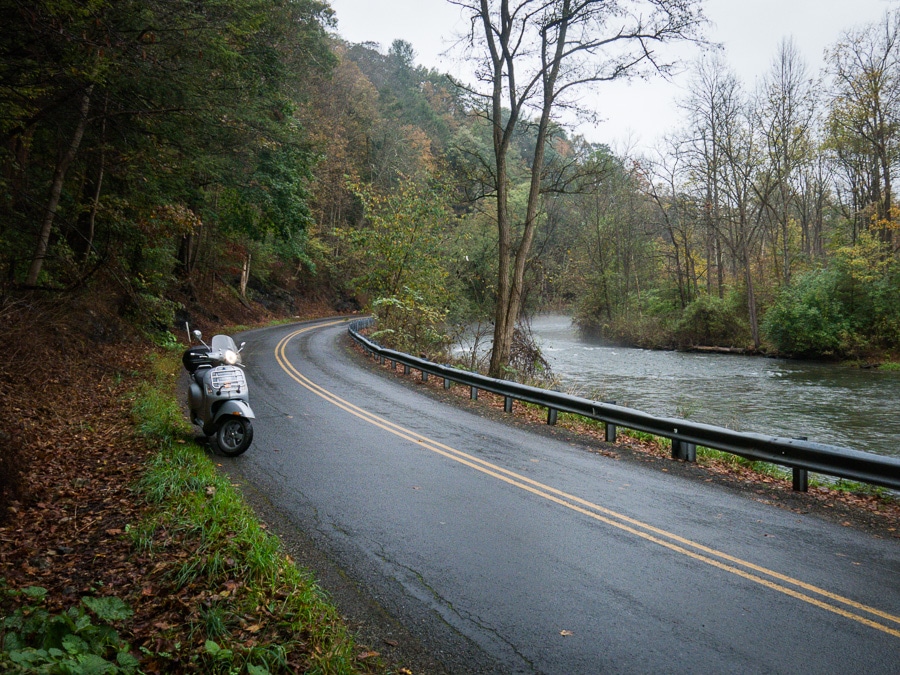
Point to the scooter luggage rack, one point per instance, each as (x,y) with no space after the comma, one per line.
(230,378)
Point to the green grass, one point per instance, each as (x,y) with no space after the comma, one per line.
(762,468)
(216,539)
(154,408)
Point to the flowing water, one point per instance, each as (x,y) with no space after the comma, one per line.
(826,403)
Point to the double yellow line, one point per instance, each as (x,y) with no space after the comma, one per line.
(813,595)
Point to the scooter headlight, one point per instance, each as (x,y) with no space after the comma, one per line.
(231,357)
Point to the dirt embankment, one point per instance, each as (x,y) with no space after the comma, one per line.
(70,456)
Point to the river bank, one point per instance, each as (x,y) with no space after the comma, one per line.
(827,402)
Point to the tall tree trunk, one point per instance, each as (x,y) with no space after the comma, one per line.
(245,275)
(186,254)
(56,186)
(751,300)
(510,290)
(887,226)
(95,203)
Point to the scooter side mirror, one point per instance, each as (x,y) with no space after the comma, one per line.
(198,335)
(242,346)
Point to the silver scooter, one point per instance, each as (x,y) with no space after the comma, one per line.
(217,395)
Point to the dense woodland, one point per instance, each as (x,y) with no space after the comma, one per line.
(169,149)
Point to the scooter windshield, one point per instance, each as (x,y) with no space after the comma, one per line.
(220,343)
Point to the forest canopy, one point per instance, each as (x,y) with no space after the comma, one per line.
(167,149)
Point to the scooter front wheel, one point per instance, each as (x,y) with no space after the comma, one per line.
(234,436)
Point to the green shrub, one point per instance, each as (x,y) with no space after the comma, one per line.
(710,320)
(808,318)
(79,640)
(408,324)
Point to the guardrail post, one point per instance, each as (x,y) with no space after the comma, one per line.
(611,430)
(610,433)
(800,476)
(684,450)
(507,404)
(552,414)
(447,382)
(406,369)
(801,480)
(473,393)
(424,376)
(393,364)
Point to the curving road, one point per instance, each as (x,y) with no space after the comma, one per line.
(501,550)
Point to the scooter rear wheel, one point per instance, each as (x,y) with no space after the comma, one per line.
(234,436)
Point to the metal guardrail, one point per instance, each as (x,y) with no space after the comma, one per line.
(800,455)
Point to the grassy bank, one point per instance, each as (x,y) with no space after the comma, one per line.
(257,608)
(199,585)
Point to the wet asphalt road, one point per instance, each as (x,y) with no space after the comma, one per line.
(501,550)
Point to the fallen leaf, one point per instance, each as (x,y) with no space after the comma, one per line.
(564,633)
(366,655)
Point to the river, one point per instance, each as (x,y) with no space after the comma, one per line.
(827,403)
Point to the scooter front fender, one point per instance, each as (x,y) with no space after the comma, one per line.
(233,407)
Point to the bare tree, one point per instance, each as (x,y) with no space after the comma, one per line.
(726,157)
(785,110)
(740,152)
(707,106)
(663,180)
(865,116)
(532,57)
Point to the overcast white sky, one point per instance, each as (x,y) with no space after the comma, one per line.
(640,112)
